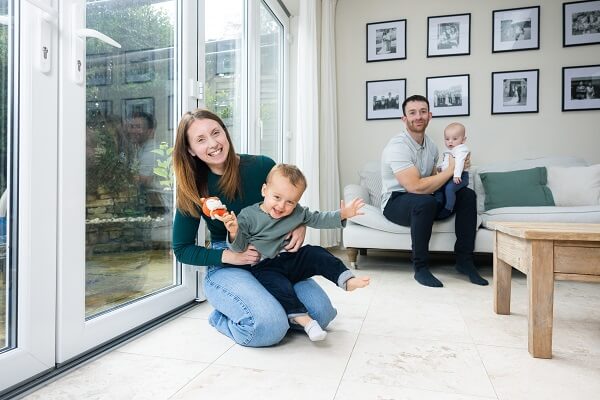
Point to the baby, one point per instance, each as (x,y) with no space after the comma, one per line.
(266,225)
(454,139)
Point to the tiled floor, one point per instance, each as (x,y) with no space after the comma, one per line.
(393,340)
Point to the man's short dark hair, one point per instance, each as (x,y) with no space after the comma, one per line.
(414,97)
(150,121)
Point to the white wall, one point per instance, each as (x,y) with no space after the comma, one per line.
(491,137)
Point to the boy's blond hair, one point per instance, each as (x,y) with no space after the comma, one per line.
(291,172)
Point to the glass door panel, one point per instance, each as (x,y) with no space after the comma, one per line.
(270,84)
(116,195)
(130,94)
(6,299)
(224,34)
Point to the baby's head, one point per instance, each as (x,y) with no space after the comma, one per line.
(283,189)
(454,134)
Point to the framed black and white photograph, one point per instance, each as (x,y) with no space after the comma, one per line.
(581,23)
(385,98)
(386,40)
(170,112)
(130,106)
(581,88)
(98,109)
(448,95)
(449,35)
(98,69)
(139,66)
(515,91)
(516,29)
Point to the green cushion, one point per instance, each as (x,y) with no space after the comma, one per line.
(521,188)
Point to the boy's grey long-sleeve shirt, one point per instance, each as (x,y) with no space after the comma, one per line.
(269,235)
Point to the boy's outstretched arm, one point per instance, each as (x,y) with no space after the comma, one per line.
(352,209)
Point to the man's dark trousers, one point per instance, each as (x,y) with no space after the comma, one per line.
(420,210)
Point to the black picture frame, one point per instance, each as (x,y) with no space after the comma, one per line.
(99,109)
(170,112)
(141,104)
(449,95)
(581,88)
(384,99)
(515,92)
(139,66)
(516,29)
(98,70)
(449,35)
(581,23)
(386,40)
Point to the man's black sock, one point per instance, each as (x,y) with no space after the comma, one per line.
(469,269)
(426,278)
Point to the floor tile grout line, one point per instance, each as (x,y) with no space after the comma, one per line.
(353,347)
(479,354)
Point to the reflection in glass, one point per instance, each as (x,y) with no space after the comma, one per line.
(224,27)
(7,282)
(271,84)
(129,139)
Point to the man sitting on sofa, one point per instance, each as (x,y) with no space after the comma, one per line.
(409,177)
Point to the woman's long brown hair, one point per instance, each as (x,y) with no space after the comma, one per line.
(191,173)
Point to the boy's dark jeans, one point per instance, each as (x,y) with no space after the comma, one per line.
(420,210)
(278,275)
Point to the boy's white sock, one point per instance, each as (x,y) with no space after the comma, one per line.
(314,331)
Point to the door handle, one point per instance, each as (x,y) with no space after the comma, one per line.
(79,35)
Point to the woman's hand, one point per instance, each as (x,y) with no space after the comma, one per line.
(296,238)
(249,256)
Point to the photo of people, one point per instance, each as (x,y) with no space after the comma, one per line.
(385,41)
(585,22)
(514,92)
(386,102)
(451,97)
(585,88)
(448,35)
(512,30)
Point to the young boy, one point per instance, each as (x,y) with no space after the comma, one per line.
(454,139)
(266,225)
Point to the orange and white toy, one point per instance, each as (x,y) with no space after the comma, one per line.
(213,208)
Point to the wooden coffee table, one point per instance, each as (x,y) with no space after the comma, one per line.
(545,252)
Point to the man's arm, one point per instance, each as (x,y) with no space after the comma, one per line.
(411,180)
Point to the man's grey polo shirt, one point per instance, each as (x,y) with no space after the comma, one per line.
(403,152)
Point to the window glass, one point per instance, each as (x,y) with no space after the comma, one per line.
(129,138)
(224,28)
(271,87)
(6,59)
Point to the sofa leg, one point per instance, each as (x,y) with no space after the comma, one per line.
(352,255)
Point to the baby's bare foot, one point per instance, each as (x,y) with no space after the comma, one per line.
(357,282)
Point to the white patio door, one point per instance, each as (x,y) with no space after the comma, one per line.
(28,120)
(120,96)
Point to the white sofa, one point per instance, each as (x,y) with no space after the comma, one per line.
(373,231)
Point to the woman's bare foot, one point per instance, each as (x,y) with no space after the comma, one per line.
(357,282)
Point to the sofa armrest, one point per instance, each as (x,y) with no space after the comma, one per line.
(353,191)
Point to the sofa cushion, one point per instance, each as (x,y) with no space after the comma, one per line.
(575,186)
(560,161)
(583,214)
(370,177)
(373,218)
(525,187)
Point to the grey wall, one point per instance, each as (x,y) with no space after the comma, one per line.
(491,137)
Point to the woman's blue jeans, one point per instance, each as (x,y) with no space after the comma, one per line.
(248,314)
